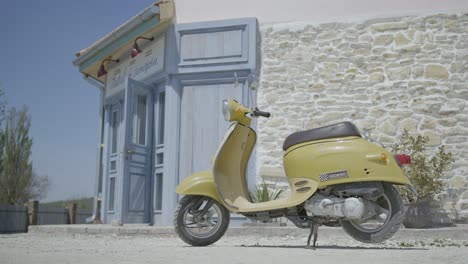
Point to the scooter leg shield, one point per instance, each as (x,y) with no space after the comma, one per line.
(200,183)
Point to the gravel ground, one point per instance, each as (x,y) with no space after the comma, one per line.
(85,248)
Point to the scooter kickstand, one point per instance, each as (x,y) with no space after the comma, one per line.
(313,231)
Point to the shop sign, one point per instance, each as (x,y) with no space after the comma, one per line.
(149,62)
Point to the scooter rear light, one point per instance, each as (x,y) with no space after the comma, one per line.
(402,159)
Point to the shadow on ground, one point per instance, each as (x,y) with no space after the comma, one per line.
(333,247)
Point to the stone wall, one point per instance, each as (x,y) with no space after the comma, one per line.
(382,74)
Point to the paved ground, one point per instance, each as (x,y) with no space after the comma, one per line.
(460,232)
(41,247)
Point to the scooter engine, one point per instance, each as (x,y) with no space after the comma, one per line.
(351,208)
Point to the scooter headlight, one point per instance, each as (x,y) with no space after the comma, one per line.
(226,110)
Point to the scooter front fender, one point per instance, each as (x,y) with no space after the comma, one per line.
(200,183)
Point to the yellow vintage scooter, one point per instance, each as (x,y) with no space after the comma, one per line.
(334,175)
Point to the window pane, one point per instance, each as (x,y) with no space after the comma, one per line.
(113,165)
(114,124)
(159,183)
(111,193)
(159,158)
(140,122)
(162,102)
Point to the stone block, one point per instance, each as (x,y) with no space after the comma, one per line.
(449,109)
(401,40)
(383,40)
(429,47)
(451,25)
(399,73)
(386,139)
(327,35)
(459,67)
(447,122)
(438,72)
(366,46)
(464,195)
(434,138)
(428,124)
(366,38)
(458,182)
(271,98)
(417,72)
(390,26)
(456,140)
(414,48)
(387,129)
(408,124)
(272,171)
(376,77)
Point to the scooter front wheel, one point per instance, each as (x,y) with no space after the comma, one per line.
(200,220)
(384,225)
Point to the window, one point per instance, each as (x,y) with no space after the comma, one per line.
(113,165)
(115,126)
(140,120)
(159,141)
(111,193)
(159,158)
(159,189)
(162,99)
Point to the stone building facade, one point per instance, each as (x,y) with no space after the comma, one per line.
(385,75)
(160,111)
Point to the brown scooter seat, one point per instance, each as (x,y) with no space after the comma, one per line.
(343,129)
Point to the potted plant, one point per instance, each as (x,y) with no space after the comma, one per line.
(426,174)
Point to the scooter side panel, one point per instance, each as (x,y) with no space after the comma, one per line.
(200,183)
(342,160)
(229,168)
(230,163)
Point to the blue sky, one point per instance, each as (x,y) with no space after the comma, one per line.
(38,43)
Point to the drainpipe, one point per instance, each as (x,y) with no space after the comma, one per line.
(96,217)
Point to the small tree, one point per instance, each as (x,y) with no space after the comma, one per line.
(18,182)
(426,171)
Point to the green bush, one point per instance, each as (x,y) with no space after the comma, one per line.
(426,171)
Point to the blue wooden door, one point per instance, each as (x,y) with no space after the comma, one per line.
(137,160)
(202,124)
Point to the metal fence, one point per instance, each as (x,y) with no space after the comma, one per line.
(60,216)
(82,214)
(52,216)
(13,219)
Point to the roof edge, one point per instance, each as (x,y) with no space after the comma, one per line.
(145,15)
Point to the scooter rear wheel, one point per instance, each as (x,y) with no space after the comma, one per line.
(197,225)
(376,232)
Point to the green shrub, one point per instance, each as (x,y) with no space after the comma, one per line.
(426,171)
(264,193)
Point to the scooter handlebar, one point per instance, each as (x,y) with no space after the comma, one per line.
(257,112)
